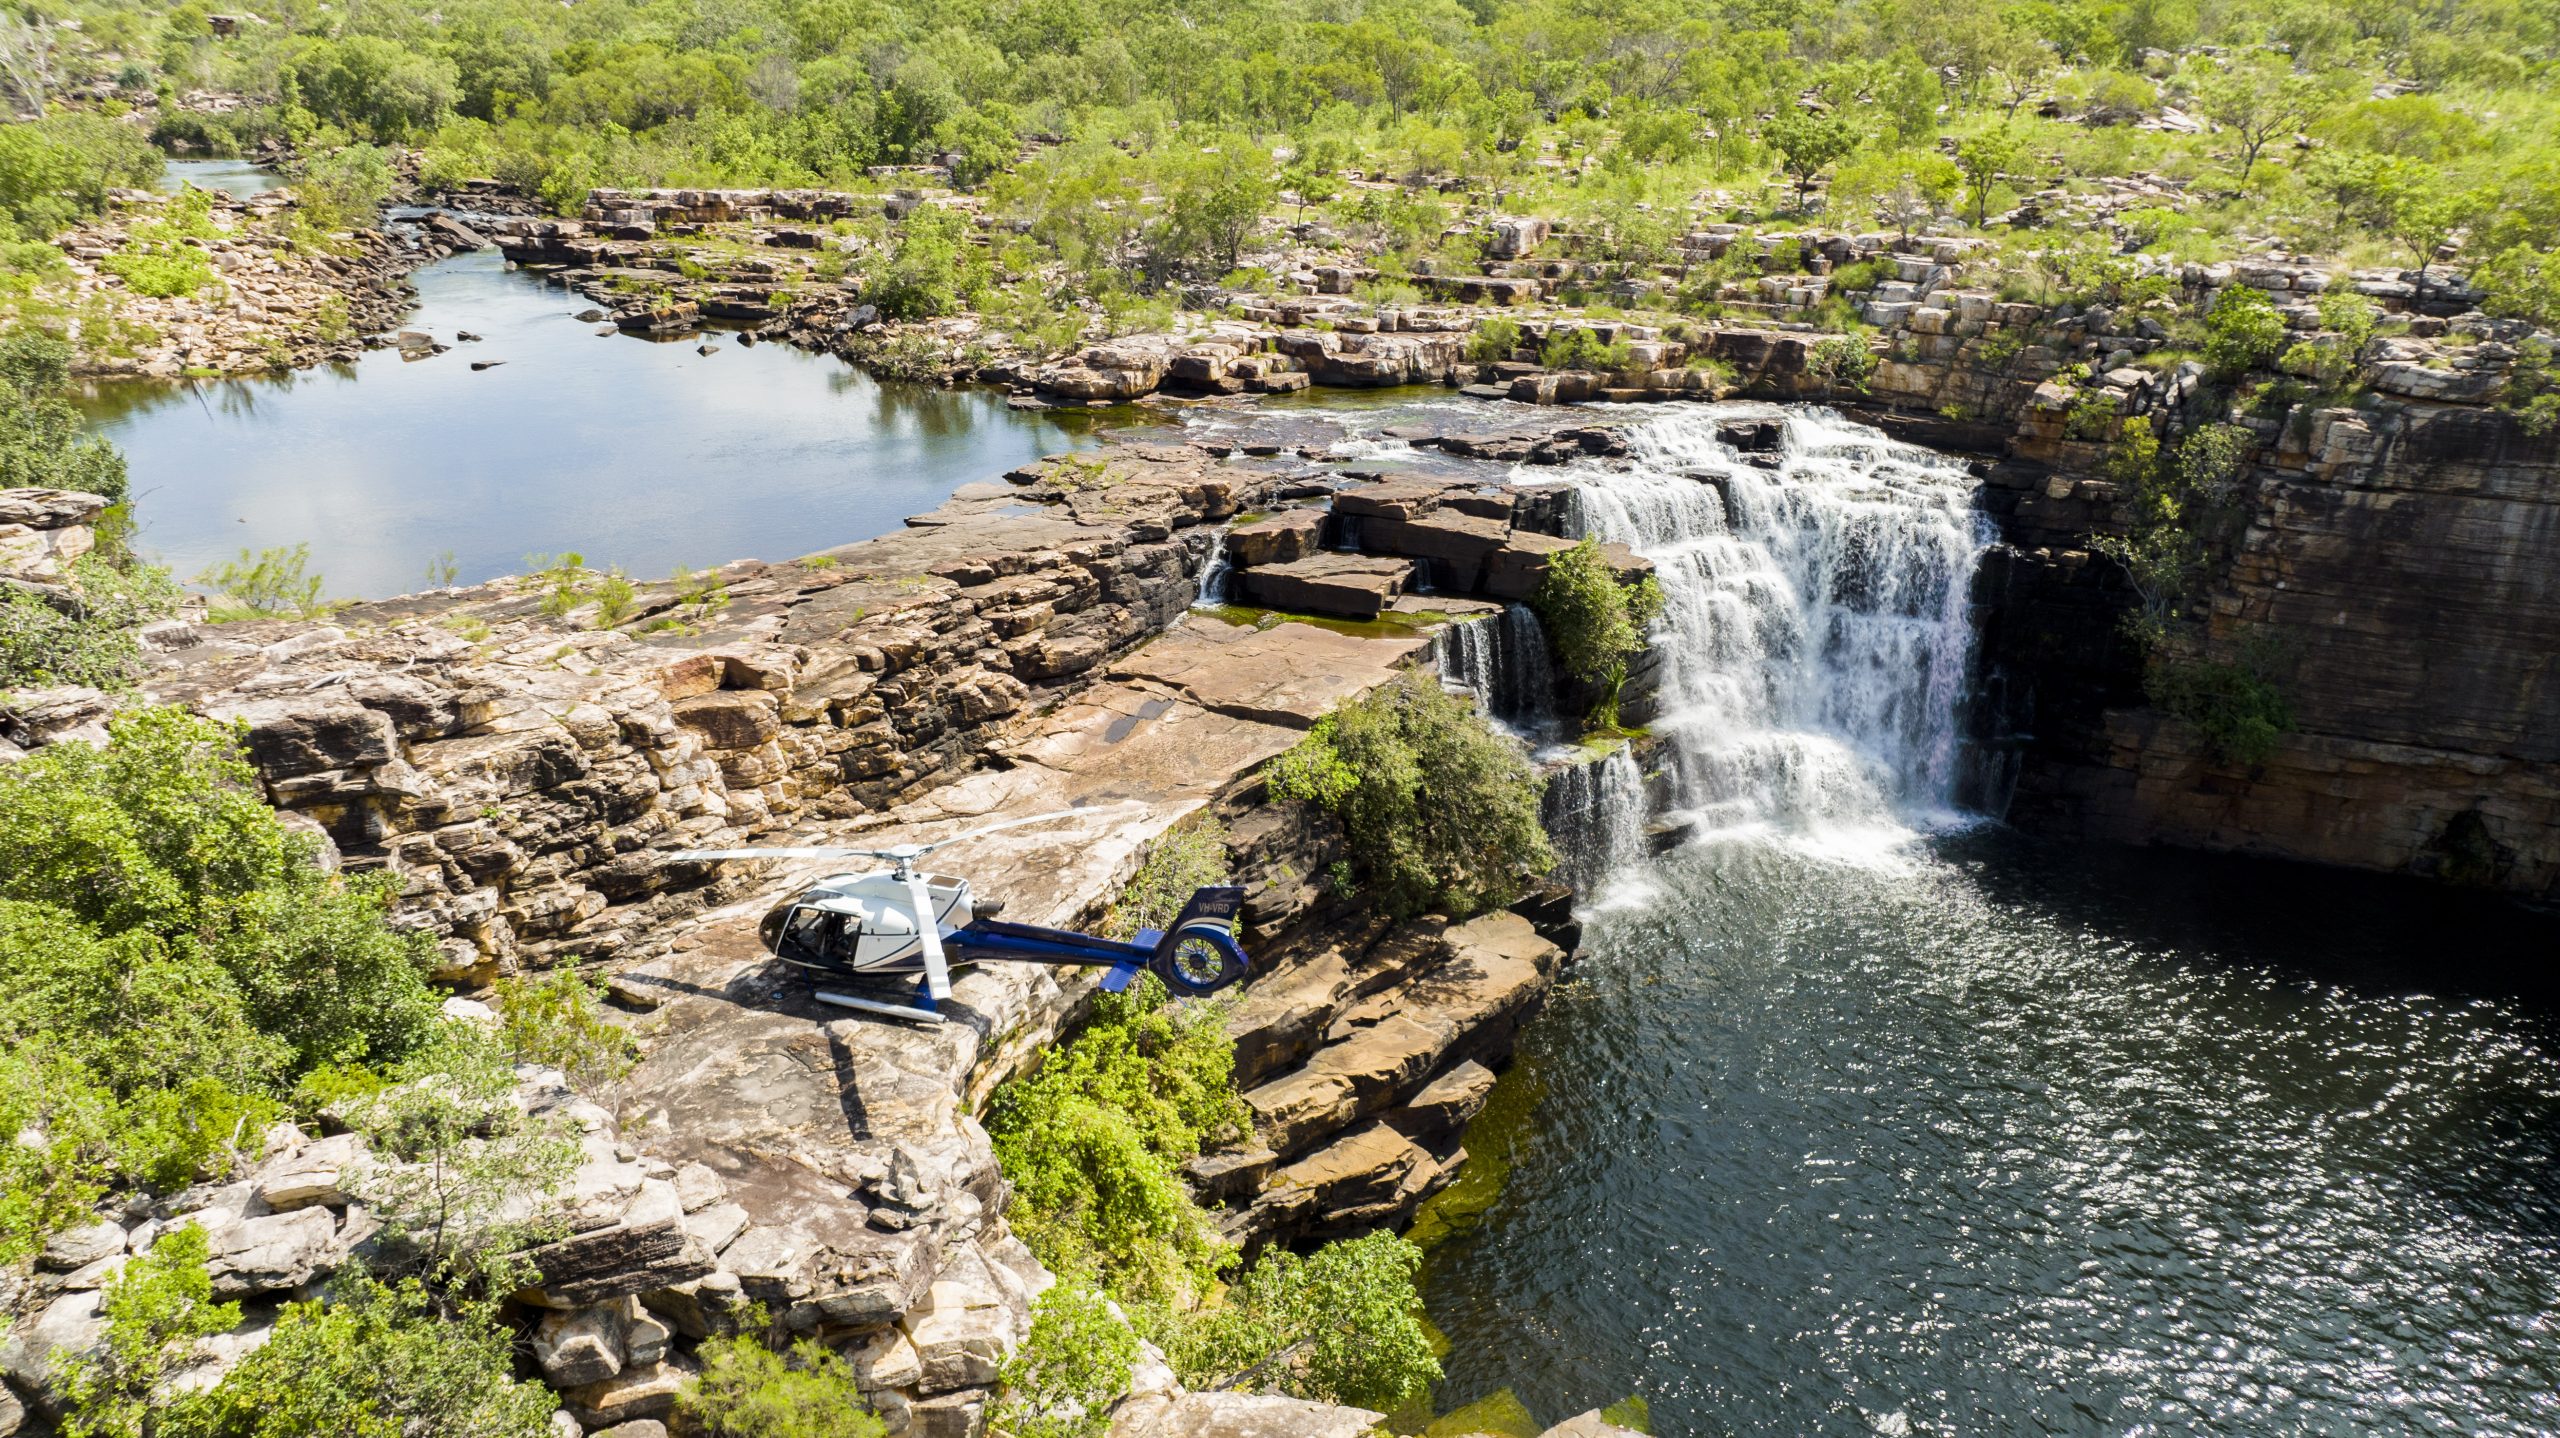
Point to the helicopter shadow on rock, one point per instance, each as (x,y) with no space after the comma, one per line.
(725,1014)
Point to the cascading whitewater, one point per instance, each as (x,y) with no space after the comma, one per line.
(1594,813)
(1814,636)
(1502,660)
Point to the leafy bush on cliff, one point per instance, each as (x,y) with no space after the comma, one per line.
(2242,331)
(368,1359)
(748,1390)
(1441,811)
(1594,623)
(1340,1325)
(172,960)
(2235,705)
(1094,1142)
(1076,1362)
(1191,857)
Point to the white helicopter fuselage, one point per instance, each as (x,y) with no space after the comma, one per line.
(866,923)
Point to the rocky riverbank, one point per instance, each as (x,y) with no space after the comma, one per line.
(281,294)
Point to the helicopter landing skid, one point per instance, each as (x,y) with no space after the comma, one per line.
(922,1009)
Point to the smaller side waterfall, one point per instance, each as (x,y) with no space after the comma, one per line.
(1214,573)
(1502,660)
(1595,815)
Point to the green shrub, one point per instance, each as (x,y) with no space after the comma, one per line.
(922,276)
(1441,811)
(92,642)
(2236,706)
(371,1360)
(41,443)
(2242,331)
(1494,340)
(1343,1325)
(159,841)
(1594,623)
(156,1307)
(267,584)
(558,1019)
(1064,1378)
(67,1133)
(746,1390)
(1093,1144)
(1843,360)
(1572,347)
(1191,857)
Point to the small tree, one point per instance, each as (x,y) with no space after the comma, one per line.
(2243,330)
(1594,623)
(1983,156)
(1063,1380)
(1343,1326)
(460,1169)
(747,1390)
(1807,144)
(2257,98)
(372,1358)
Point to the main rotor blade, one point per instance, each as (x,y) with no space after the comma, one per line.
(688,856)
(985,829)
(937,973)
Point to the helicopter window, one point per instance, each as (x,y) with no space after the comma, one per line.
(812,936)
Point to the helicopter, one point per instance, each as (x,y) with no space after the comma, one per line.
(868,925)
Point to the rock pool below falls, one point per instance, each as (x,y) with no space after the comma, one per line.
(638,454)
(1858,1119)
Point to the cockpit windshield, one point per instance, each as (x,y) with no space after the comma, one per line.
(813,936)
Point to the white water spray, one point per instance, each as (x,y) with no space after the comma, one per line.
(1814,638)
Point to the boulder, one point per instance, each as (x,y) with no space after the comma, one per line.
(1245,1415)
(580,1346)
(312,1174)
(49,508)
(1589,1425)
(1284,537)
(636,1393)
(272,1252)
(71,1323)
(1455,545)
(1514,571)
(1347,585)
(77,1248)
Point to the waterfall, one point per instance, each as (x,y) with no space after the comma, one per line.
(1814,637)
(1594,813)
(1214,571)
(1503,662)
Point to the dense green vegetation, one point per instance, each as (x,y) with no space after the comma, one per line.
(1136,144)
(177,972)
(1093,1143)
(1441,812)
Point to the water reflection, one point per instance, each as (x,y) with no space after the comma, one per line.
(648,456)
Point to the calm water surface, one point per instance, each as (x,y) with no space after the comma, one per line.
(239,179)
(638,454)
(1986,1137)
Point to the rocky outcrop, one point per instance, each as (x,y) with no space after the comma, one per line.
(274,303)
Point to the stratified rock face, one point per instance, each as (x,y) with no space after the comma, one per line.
(2397,576)
(513,770)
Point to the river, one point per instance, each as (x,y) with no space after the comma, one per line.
(1863,1116)
(632,453)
